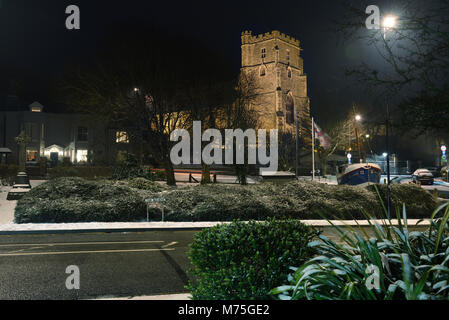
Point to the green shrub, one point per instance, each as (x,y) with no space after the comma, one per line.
(145,184)
(130,169)
(411,265)
(299,200)
(64,200)
(8,173)
(86,172)
(158,175)
(245,260)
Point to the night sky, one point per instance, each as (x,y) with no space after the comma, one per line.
(35,46)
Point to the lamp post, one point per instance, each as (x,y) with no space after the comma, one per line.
(388,22)
(358,118)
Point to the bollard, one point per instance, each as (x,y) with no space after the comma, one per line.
(215,178)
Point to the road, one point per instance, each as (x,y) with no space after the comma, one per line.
(110,264)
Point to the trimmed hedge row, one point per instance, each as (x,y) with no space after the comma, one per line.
(64,200)
(299,200)
(76,199)
(246,260)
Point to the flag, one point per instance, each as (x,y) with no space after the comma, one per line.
(321,135)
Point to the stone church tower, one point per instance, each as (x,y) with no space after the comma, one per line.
(273,61)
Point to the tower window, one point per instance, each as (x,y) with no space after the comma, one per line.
(262,71)
(289,72)
(288,56)
(264,53)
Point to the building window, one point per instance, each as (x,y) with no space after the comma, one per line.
(288,56)
(82,134)
(289,72)
(32,155)
(262,71)
(121,137)
(264,53)
(81,155)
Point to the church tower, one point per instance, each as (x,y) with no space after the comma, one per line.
(273,60)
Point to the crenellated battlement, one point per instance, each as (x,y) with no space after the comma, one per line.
(249,38)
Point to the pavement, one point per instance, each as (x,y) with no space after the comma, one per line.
(127,265)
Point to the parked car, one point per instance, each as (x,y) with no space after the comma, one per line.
(435,171)
(422,175)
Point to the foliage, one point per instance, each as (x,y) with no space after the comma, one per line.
(412,265)
(129,168)
(244,260)
(8,173)
(145,184)
(297,199)
(86,172)
(416,59)
(64,200)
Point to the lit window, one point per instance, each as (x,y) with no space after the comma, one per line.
(82,134)
(264,53)
(121,137)
(81,155)
(32,155)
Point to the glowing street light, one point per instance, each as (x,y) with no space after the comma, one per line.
(389,22)
(384,154)
(367,136)
(358,117)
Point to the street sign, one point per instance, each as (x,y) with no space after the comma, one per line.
(443,148)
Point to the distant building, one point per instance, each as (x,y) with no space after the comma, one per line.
(56,136)
(274,60)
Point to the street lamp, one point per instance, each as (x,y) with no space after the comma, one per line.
(358,118)
(388,23)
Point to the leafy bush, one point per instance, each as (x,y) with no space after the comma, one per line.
(245,260)
(86,172)
(129,168)
(65,200)
(411,265)
(8,173)
(158,175)
(299,200)
(145,184)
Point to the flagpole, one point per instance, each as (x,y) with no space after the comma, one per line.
(313,150)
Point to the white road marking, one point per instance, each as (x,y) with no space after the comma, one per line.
(76,243)
(170,244)
(79,252)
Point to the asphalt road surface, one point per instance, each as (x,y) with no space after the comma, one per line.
(110,264)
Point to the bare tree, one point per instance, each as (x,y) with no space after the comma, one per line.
(416,53)
(145,84)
